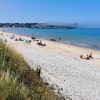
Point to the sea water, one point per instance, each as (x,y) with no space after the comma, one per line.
(85,37)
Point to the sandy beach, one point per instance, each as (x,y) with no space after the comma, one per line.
(62,67)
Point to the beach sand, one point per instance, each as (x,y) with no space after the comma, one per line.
(62,67)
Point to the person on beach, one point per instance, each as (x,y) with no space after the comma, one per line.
(16,39)
(81,56)
(12,37)
(59,38)
(44,44)
(40,43)
(90,55)
(32,37)
(20,39)
(87,56)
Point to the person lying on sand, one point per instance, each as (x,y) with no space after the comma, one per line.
(87,56)
(81,56)
(16,39)
(40,43)
(90,55)
(20,39)
(12,37)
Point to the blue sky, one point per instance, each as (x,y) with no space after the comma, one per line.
(70,11)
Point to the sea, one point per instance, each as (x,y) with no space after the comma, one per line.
(84,37)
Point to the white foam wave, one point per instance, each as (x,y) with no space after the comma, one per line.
(84,45)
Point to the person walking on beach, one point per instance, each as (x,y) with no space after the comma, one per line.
(59,38)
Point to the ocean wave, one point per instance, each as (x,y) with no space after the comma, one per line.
(90,46)
(84,45)
(68,42)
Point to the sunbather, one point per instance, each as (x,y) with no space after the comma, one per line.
(90,55)
(87,57)
(16,39)
(20,39)
(40,43)
(81,56)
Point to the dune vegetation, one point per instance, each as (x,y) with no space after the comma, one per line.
(18,81)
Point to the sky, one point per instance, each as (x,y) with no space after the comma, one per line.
(67,11)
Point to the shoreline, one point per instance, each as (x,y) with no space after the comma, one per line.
(57,41)
(75,52)
(62,67)
(82,45)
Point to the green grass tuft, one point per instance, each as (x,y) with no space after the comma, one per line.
(18,81)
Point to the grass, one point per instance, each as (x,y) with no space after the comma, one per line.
(10,89)
(18,81)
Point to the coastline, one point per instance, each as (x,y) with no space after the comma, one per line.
(81,38)
(61,65)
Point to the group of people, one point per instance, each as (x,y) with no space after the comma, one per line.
(40,43)
(87,57)
(12,37)
(28,41)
